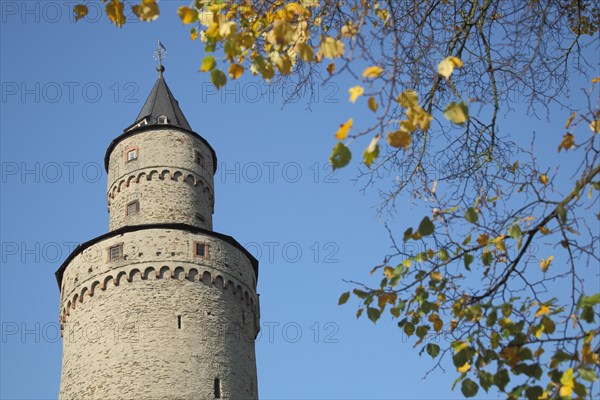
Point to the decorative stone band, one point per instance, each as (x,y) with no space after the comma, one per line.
(187,273)
(150,173)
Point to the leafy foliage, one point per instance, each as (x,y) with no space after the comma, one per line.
(436,76)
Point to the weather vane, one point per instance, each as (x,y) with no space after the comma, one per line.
(160,53)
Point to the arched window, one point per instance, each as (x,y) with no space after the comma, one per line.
(163,119)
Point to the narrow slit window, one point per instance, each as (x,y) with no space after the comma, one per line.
(200,218)
(133,208)
(199,159)
(217,388)
(201,249)
(179,322)
(115,252)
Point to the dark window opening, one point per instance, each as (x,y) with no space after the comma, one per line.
(201,249)
(179,322)
(217,388)
(199,158)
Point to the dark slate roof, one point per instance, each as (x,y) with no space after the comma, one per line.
(162,102)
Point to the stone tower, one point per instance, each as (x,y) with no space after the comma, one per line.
(161,306)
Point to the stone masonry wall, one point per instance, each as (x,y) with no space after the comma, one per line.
(160,322)
(170,182)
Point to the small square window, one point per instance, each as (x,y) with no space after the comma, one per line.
(200,249)
(163,120)
(115,252)
(131,154)
(133,208)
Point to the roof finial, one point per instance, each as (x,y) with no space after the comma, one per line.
(161,52)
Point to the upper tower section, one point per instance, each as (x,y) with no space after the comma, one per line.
(159,170)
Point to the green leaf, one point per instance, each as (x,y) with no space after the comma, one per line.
(471,215)
(443,254)
(534,392)
(208,64)
(343,298)
(218,78)
(591,300)
(487,258)
(486,380)
(501,379)
(587,314)
(408,234)
(433,350)
(588,375)
(426,227)
(561,211)
(373,314)
(468,258)
(422,331)
(370,155)
(409,328)
(515,232)
(469,388)
(457,113)
(340,157)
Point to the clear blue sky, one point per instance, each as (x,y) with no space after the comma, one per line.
(69,88)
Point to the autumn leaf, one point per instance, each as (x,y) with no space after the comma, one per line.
(114,11)
(399,139)
(457,113)
(543,310)
(544,264)
(447,65)
(567,142)
(595,126)
(543,178)
(570,120)
(235,71)
(408,98)
(332,48)
(208,64)
(372,104)
(146,11)
(464,368)
(331,68)
(372,72)
(355,93)
(343,298)
(305,52)
(567,383)
(372,151)
(80,11)
(218,78)
(187,15)
(342,132)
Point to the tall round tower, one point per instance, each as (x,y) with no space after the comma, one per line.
(161,306)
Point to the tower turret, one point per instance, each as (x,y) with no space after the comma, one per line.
(161,306)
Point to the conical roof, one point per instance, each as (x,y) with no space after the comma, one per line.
(159,103)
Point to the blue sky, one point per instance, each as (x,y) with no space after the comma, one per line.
(69,88)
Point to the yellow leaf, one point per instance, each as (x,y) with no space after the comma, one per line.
(284,64)
(80,11)
(567,383)
(331,68)
(544,264)
(543,179)
(227,28)
(194,34)
(187,15)
(372,72)
(399,139)
(332,48)
(457,113)
(595,126)
(212,31)
(570,120)
(342,132)
(208,64)
(543,310)
(407,99)
(447,65)
(355,93)
(372,151)
(539,330)
(388,272)
(372,104)
(146,11)
(567,142)
(464,368)
(235,71)
(436,276)
(305,52)
(544,230)
(596,79)
(114,10)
